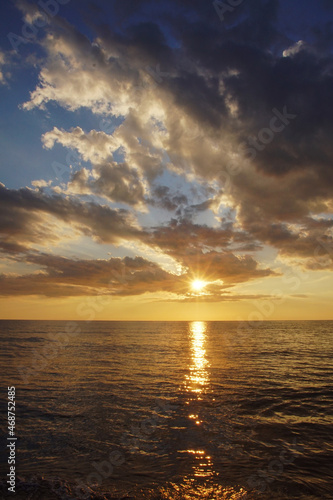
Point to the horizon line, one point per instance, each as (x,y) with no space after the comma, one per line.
(162,320)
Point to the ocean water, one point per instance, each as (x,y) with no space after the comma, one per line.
(169,410)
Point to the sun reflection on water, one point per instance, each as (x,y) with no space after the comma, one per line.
(198,379)
(196,383)
(202,480)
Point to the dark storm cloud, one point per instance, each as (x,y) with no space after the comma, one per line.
(257,81)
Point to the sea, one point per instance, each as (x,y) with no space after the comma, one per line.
(168,410)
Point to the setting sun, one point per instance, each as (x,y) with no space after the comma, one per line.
(198,285)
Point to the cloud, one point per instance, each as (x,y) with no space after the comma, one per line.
(119,181)
(68,277)
(294,49)
(115,182)
(106,75)
(41,183)
(239,110)
(227,267)
(32,219)
(4,61)
(162,197)
(206,251)
(29,217)
(218,97)
(115,277)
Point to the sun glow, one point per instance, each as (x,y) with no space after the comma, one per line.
(198,285)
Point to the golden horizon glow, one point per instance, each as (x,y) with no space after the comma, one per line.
(315,305)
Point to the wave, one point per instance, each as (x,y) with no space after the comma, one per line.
(40,488)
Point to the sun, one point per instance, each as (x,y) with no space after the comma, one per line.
(198,285)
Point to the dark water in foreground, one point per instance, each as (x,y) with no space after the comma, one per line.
(170,410)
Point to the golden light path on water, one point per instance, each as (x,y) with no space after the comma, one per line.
(196,383)
(198,379)
(201,483)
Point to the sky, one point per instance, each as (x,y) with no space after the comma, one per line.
(166,160)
